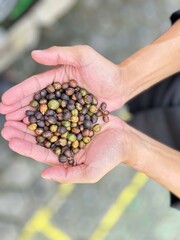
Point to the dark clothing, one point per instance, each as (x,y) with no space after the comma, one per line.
(157,112)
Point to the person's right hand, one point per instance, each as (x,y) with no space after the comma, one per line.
(91,70)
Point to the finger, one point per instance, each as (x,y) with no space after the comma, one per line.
(28,87)
(20,126)
(17,115)
(34,151)
(10,132)
(5,109)
(61,55)
(76,174)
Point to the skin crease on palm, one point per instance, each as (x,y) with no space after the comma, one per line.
(100,77)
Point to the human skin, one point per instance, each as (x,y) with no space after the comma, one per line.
(114,84)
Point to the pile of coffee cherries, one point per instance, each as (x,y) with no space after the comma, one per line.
(64,118)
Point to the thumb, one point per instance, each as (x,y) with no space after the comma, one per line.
(74,55)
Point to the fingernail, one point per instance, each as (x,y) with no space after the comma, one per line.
(46,177)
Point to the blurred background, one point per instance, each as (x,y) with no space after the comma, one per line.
(125,204)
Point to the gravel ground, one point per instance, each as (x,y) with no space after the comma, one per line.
(116,29)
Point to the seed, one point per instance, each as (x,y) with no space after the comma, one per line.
(75,130)
(66,123)
(82,145)
(57,134)
(65,135)
(74,112)
(47,144)
(95,101)
(103,106)
(78,95)
(91,134)
(106,118)
(74,119)
(63,103)
(74,124)
(78,106)
(81,117)
(76,150)
(29,113)
(72,83)
(87,117)
(43,101)
(53,104)
(58,94)
(86,139)
(57,143)
(50,89)
(53,128)
(62,159)
(51,96)
(62,129)
(67,115)
(64,97)
(77,89)
(83,92)
(32,126)
(71,161)
(43,108)
(59,110)
(88,124)
(88,99)
(65,85)
(70,107)
(39,131)
(79,136)
(63,142)
(43,93)
(71,137)
(57,85)
(37,96)
(99,113)
(47,134)
(58,151)
(90,114)
(81,127)
(60,116)
(38,115)
(85,132)
(84,110)
(81,101)
(96,128)
(93,109)
(106,112)
(53,139)
(94,119)
(47,124)
(32,119)
(50,112)
(73,97)
(52,119)
(68,153)
(40,139)
(34,104)
(69,91)
(53,146)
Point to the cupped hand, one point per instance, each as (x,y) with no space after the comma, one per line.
(82,63)
(107,149)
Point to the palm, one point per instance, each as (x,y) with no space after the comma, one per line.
(103,153)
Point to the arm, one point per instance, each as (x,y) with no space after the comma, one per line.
(153,63)
(154,159)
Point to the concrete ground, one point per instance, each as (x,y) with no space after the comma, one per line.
(32,208)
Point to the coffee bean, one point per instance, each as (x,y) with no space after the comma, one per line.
(103,106)
(38,115)
(88,124)
(62,158)
(67,115)
(43,93)
(65,85)
(29,113)
(94,119)
(72,83)
(41,124)
(37,96)
(47,134)
(32,119)
(50,89)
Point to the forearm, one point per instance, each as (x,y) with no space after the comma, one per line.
(152,63)
(156,160)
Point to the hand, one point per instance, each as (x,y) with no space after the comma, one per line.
(106,150)
(92,71)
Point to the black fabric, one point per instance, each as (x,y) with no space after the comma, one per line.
(175,16)
(157,112)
